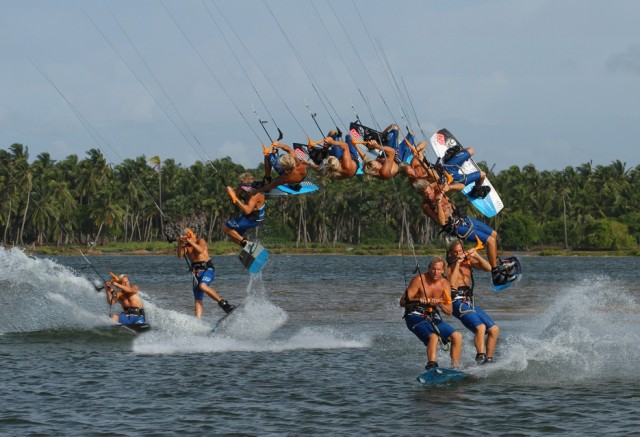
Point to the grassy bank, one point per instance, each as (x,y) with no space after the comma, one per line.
(227,248)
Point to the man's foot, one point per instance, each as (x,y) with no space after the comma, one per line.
(506,269)
(431,365)
(497,277)
(481,358)
(488,360)
(479,192)
(244,242)
(226,306)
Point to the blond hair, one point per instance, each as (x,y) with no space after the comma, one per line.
(372,167)
(331,167)
(435,260)
(247,178)
(420,185)
(288,163)
(453,243)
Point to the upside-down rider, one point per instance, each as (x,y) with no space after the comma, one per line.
(202,270)
(250,203)
(342,159)
(391,153)
(452,163)
(291,170)
(120,290)
(437,206)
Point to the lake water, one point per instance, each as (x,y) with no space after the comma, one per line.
(317,347)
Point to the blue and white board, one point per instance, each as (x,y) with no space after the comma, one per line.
(514,270)
(490,205)
(440,375)
(286,190)
(253,256)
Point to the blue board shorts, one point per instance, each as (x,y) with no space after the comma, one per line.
(423,328)
(130,319)
(205,277)
(274,159)
(471,317)
(453,168)
(242,224)
(403,152)
(470,227)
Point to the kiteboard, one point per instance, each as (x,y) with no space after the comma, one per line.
(303,187)
(512,267)
(491,204)
(440,375)
(253,256)
(221,320)
(134,328)
(125,329)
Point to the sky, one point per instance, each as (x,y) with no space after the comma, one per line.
(551,83)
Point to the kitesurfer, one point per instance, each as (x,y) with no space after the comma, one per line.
(342,159)
(250,203)
(460,265)
(437,206)
(291,170)
(452,164)
(391,153)
(195,248)
(119,290)
(425,295)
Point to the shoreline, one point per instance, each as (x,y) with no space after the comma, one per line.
(226,248)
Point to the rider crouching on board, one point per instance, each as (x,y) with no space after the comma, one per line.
(120,290)
(202,269)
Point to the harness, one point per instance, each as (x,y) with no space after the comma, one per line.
(135,311)
(200,266)
(430,314)
(458,217)
(464,294)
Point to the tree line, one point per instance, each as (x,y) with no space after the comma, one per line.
(88,200)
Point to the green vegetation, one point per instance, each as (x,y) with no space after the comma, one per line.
(89,203)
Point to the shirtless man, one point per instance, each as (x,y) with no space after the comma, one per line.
(437,206)
(426,293)
(460,274)
(202,270)
(342,162)
(120,290)
(291,170)
(384,166)
(252,206)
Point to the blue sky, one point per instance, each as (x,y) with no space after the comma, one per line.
(548,83)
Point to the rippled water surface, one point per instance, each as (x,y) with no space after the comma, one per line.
(317,347)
